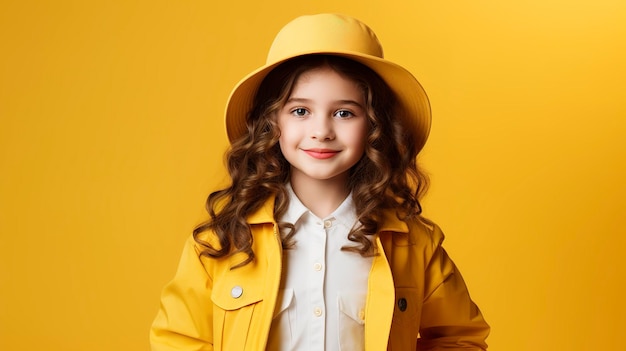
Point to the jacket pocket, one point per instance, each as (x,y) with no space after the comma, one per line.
(234,307)
(351,321)
(283,322)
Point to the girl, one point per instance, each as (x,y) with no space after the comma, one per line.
(318,243)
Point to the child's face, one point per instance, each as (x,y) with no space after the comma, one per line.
(323,126)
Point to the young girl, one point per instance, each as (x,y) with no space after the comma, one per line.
(318,242)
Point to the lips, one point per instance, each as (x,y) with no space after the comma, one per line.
(321,154)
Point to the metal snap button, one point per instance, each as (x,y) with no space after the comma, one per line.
(236,292)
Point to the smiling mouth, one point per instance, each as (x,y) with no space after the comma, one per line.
(321,153)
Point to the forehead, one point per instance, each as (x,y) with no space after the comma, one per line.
(324,69)
(328,78)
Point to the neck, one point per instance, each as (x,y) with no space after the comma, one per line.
(321,197)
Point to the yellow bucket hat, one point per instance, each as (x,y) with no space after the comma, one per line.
(339,35)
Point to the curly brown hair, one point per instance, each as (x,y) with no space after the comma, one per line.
(386,177)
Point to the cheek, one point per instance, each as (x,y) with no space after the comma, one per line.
(359,137)
(287,137)
(290,130)
(282,143)
(282,130)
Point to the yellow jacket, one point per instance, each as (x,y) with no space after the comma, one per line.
(417,299)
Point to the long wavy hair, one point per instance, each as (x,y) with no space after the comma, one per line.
(386,177)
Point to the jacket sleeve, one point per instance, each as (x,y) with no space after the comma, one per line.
(185,319)
(450,319)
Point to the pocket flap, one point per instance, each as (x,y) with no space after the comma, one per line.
(234,291)
(353,306)
(285,297)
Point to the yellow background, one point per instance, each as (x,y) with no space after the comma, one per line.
(111,136)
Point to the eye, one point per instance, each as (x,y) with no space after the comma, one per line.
(344,114)
(299,111)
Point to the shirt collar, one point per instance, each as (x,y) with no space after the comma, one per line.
(296,208)
(345,213)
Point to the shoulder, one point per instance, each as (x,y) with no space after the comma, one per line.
(425,231)
(419,233)
(411,252)
(413,231)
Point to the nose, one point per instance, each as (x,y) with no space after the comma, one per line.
(322,128)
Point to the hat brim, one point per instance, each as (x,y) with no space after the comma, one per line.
(415,107)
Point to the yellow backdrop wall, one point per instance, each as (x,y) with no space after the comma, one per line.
(111,136)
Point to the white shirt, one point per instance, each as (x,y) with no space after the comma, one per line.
(321,302)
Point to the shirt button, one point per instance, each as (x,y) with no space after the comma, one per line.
(236,292)
(317,266)
(328,223)
(317,312)
(362,315)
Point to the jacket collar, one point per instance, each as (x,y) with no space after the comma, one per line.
(265,214)
(391,223)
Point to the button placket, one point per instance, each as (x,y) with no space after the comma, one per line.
(316,251)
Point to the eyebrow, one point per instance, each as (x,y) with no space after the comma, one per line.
(341,102)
